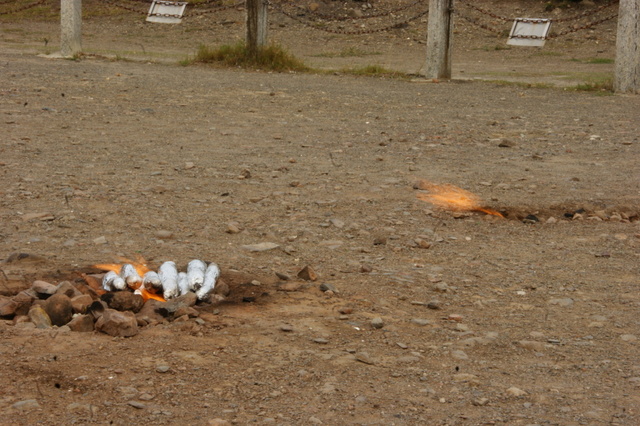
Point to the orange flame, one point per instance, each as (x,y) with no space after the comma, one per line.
(451,197)
(141,267)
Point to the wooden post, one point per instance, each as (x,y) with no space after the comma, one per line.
(627,68)
(71,27)
(439,39)
(256,24)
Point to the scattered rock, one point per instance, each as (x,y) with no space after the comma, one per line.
(163,368)
(23,301)
(458,354)
(44,288)
(81,323)
(377,323)
(7,307)
(123,301)
(118,324)
(27,404)
(218,422)
(532,345)
(287,328)
(420,321)
(137,404)
(364,358)
(66,288)
(82,409)
(434,304)
(260,247)
(441,287)
(164,234)
(59,309)
(480,402)
(283,277)
(564,301)
(170,307)
(308,274)
(629,337)
(100,240)
(324,287)
(81,303)
(517,392)
(320,341)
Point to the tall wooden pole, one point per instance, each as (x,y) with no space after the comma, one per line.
(439,39)
(627,68)
(256,24)
(70,27)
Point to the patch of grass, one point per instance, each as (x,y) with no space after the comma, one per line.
(599,61)
(522,84)
(374,71)
(594,60)
(547,53)
(347,53)
(603,87)
(268,58)
(497,47)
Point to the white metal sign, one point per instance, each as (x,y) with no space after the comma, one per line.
(529,32)
(166,12)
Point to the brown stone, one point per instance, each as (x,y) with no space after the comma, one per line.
(59,309)
(123,301)
(81,323)
(221,288)
(44,288)
(39,317)
(7,307)
(68,289)
(170,307)
(186,310)
(308,274)
(118,324)
(81,303)
(23,300)
(149,311)
(96,309)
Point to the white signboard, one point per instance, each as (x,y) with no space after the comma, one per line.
(529,32)
(166,12)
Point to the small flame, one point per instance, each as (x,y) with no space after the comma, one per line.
(140,264)
(451,197)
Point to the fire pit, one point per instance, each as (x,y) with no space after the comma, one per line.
(128,296)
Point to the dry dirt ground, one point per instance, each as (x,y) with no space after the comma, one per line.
(535,322)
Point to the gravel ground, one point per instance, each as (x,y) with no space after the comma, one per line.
(435,317)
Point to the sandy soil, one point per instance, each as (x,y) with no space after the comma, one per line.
(484,320)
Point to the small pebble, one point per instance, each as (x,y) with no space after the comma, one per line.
(377,323)
(162,368)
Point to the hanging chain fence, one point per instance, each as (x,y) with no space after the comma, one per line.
(494,28)
(322,22)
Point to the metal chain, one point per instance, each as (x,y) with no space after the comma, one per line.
(215,9)
(26,7)
(567,19)
(130,9)
(484,11)
(328,17)
(359,32)
(550,36)
(587,13)
(584,27)
(478,23)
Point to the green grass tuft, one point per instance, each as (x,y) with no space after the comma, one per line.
(268,58)
(374,71)
(347,53)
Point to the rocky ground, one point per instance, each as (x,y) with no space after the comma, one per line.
(433,316)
